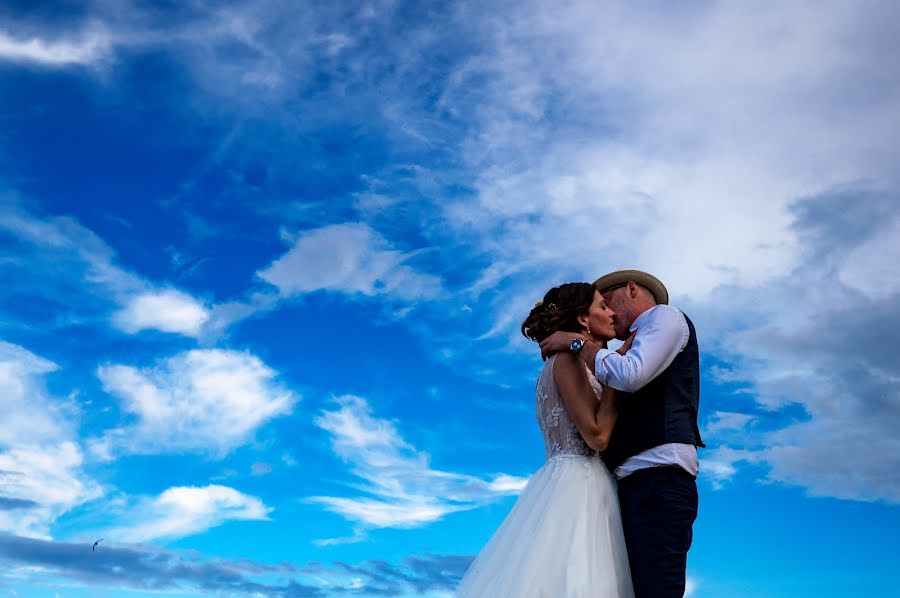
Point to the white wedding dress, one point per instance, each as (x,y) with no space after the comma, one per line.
(563,537)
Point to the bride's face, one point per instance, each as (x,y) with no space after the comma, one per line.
(599,319)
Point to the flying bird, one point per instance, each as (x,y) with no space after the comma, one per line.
(95,544)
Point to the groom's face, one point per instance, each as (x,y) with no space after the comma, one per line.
(618,301)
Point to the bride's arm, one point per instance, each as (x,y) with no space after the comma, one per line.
(593,418)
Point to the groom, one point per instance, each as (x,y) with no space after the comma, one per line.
(653,447)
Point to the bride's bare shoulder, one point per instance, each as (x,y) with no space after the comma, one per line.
(566,364)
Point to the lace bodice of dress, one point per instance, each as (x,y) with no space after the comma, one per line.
(561,437)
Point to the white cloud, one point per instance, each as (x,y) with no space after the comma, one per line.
(48,481)
(403,490)
(21,391)
(817,354)
(168,310)
(41,473)
(873,267)
(672,136)
(92,47)
(406,512)
(719,465)
(205,400)
(352,259)
(507,483)
(727,421)
(184,511)
(853,456)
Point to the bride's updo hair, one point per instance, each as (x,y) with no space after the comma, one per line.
(559,310)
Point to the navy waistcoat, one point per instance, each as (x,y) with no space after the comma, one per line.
(663,411)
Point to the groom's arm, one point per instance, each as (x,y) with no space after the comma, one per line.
(657,342)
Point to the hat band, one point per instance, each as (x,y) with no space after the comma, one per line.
(613,288)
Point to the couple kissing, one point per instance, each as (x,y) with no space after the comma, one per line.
(611,512)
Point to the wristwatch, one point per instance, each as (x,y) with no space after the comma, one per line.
(576,345)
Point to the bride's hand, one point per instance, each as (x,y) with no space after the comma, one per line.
(626,345)
(556,342)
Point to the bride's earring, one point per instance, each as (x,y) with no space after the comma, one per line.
(588,327)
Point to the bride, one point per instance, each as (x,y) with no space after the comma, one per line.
(563,537)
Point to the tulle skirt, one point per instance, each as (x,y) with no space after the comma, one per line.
(562,539)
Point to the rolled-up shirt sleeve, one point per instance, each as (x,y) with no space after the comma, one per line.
(662,333)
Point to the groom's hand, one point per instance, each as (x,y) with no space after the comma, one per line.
(626,345)
(556,342)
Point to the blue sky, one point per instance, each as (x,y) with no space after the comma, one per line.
(264,265)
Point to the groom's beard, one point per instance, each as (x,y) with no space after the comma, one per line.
(622,326)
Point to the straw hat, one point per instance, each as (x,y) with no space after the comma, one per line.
(620,278)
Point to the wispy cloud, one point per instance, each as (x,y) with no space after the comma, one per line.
(401,488)
(427,575)
(86,49)
(203,400)
(352,259)
(260,468)
(184,511)
(41,475)
(118,566)
(138,567)
(690,586)
(60,244)
(70,266)
(719,465)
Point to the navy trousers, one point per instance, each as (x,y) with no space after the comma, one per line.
(659,506)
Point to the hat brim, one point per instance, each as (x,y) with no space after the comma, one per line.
(623,277)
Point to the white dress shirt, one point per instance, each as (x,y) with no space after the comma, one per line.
(662,333)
